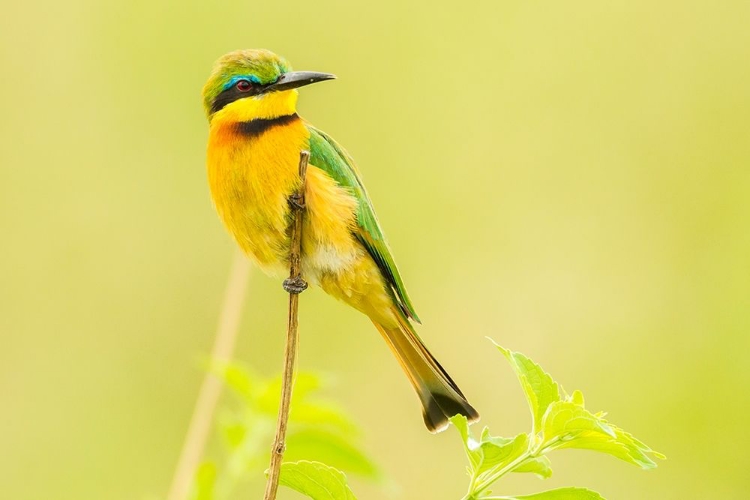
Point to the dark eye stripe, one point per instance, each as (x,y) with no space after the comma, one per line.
(232,94)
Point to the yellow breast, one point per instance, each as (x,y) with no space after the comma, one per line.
(251,177)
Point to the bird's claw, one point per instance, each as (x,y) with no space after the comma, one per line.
(295,285)
(296,201)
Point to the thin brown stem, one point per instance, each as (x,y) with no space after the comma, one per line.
(294,285)
(208,396)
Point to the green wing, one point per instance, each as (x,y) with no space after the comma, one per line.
(327,155)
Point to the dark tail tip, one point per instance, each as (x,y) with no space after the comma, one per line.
(439,408)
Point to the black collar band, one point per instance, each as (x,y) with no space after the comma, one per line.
(257,127)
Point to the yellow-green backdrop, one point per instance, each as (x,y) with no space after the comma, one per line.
(570,178)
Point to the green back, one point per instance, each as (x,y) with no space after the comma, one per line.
(326,154)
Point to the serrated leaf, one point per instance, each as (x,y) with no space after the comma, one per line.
(624,446)
(540,466)
(499,452)
(315,480)
(572,426)
(319,445)
(561,494)
(490,452)
(565,419)
(540,389)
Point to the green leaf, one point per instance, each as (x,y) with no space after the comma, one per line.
(540,466)
(541,390)
(624,446)
(490,453)
(560,494)
(233,429)
(205,482)
(246,435)
(474,456)
(577,398)
(498,452)
(568,425)
(237,377)
(305,383)
(565,420)
(320,445)
(315,480)
(319,412)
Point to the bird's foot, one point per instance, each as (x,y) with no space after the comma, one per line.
(296,201)
(295,285)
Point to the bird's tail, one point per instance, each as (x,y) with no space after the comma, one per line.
(440,396)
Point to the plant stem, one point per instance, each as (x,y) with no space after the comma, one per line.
(485,483)
(472,482)
(208,396)
(294,285)
(530,454)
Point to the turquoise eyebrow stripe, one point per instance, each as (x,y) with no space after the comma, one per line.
(237,78)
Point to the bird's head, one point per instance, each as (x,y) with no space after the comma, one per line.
(254,83)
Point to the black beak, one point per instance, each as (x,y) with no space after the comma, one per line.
(296,79)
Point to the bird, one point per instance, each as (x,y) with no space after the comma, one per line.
(254,144)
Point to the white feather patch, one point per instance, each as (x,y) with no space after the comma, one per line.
(328,258)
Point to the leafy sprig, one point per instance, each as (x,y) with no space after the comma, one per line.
(559,421)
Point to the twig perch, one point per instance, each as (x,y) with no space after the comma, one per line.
(294,285)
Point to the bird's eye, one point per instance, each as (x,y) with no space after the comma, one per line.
(243,85)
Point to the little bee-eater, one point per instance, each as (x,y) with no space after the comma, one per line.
(254,147)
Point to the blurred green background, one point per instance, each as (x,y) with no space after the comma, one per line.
(570,179)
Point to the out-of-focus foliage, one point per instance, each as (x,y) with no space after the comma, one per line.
(319,431)
(559,421)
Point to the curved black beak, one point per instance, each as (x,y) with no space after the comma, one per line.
(296,79)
